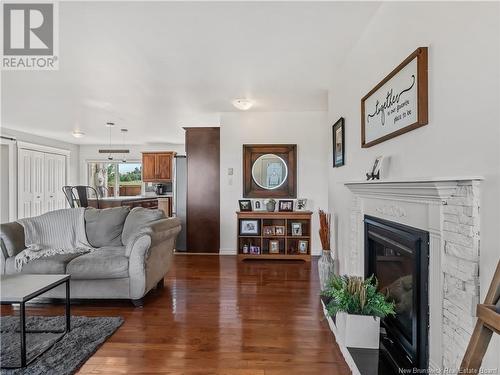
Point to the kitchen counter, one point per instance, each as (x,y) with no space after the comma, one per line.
(146,201)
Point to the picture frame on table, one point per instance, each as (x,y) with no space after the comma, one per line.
(274,247)
(269,230)
(301,204)
(245,205)
(296,229)
(279,230)
(303,246)
(338,143)
(249,227)
(285,205)
(259,205)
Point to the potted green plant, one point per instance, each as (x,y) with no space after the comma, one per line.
(357,307)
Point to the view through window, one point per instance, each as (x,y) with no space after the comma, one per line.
(115,179)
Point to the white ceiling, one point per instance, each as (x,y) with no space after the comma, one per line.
(157,66)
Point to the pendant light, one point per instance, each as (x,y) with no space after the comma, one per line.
(111,151)
(124,132)
(110,125)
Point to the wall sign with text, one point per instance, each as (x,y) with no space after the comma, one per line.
(398,103)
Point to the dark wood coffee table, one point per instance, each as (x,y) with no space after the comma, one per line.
(21,288)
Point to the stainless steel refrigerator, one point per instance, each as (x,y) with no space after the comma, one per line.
(180,196)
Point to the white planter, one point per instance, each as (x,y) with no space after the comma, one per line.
(358,331)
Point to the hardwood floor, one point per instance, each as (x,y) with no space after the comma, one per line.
(220,316)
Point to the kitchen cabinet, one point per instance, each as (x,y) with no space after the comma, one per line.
(157,166)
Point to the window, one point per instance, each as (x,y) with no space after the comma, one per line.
(115,179)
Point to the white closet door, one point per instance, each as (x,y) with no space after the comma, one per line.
(50,182)
(55,179)
(59,181)
(30,184)
(38,183)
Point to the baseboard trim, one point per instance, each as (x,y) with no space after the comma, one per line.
(228,252)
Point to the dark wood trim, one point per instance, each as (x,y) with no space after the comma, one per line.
(423,105)
(203,189)
(286,151)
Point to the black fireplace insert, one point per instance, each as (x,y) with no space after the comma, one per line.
(398,255)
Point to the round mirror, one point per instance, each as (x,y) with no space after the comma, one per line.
(269,171)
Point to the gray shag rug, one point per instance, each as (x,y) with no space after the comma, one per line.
(66,355)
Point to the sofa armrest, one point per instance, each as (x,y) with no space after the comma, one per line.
(150,255)
(11,239)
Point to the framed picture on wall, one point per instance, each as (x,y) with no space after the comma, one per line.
(338,143)
(399,103)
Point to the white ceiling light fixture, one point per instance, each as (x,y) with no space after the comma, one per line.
(78,134)
(243,104)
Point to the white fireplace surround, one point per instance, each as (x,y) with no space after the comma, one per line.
(448,208)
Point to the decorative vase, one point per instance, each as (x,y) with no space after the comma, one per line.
(271,206)
(326,268)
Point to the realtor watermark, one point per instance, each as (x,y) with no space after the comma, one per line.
(30,35)
(449,371)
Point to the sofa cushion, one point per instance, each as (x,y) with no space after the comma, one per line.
(138,218)
(104,226)
(108,262)
(12,238)
(54,264)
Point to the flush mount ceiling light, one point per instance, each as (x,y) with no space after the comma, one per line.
(243,104)
(78,134)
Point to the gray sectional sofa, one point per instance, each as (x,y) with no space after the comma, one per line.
(133,252)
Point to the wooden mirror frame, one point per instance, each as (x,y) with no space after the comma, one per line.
(288,153)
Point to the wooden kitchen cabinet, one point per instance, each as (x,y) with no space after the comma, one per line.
(157,166)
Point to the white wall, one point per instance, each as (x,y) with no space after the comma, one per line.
(91,153)
(463,135)
(306,129)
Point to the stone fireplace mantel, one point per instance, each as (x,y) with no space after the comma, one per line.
(447,208)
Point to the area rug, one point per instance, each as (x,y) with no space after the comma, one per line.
(66,355)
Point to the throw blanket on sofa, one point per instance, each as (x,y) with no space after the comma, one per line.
(56,232)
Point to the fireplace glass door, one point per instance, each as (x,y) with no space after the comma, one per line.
(398,257)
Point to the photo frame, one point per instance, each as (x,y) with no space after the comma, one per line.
(399,103)
(269,230)
(245,205)
(285,205)
(303,246)
(377,165)
(338,143)
(301,204)
(296,229)
(249,227)
(279,230)
(259,205)
(274,247)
